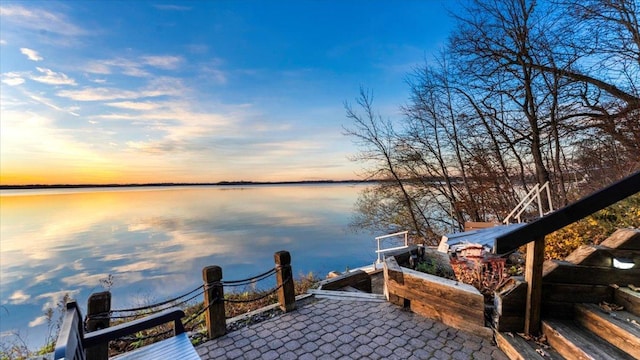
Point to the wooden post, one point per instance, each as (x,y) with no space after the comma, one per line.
(284,278)
(214,316)
(533,277)
(98,308)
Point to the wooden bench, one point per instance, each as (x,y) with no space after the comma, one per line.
(72,341)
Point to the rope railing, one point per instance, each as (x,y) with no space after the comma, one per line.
(154,307)
(250,280)
(214,300)
(158,307)
(267,294)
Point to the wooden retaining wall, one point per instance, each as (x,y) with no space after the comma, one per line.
(453,303)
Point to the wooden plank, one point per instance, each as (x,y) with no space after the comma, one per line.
(624,239)
(503,307)
(598,255)
(614,328)
(517,348)
(472,314)
(402,256)
(511,297)
(451,318)
(357,278)
(509,323)
(568,214)
(574,342)
(556,271)
(474,225)
(533,277)
(393,271)
(392,274)
(351,289)
(557,310)
(628,298)
(576,293)
(442,288)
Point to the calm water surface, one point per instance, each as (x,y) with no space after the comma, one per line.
(155,242)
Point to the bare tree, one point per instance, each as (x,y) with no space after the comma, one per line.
(377,140)
(525,90)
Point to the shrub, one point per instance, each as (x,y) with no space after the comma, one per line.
(485,275)
(594,228)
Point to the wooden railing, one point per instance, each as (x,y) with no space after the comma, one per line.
(533,235)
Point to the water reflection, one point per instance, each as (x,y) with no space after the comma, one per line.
(154,242)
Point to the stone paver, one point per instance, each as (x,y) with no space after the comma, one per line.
(332,329)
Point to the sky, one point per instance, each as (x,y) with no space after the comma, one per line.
(103,92)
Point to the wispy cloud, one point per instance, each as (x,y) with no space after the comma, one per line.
(120,65)
(55,297)
(13,78)
(19,297)
(161,86)
(53,78)
(137,67)
(163,62)
(218,76)
(99,94)
(197,48)
(40,20)
(31,54)
(156,88)
(47,102)
(132,105)
(172,7)
(40,320)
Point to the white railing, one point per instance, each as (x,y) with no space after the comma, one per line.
(532,195)
(381,251)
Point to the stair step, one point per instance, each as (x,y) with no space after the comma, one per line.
(628,298)
(517,348)
(573,341)
(620,328)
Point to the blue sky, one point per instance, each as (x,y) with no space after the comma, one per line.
(137,91)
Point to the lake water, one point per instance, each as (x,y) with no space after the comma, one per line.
(155,242)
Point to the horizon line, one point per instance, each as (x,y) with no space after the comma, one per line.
(219,183)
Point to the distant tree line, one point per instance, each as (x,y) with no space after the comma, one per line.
(524,92)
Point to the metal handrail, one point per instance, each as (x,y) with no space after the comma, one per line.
(533,194)
(568,214)
(380,251)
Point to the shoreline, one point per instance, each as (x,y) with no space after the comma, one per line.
(220,183)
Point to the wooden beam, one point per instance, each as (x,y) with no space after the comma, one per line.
(556,271)
(357,278)
(624,239)
(533,277)
(568,214)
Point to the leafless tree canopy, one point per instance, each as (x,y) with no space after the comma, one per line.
(525,92)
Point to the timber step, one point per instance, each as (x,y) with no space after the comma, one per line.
(573,341)
(620,328)
(518,348)
(628,298)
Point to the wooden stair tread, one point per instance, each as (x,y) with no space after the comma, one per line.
(628,298)
(575,342)
(517,348)
(620,328)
